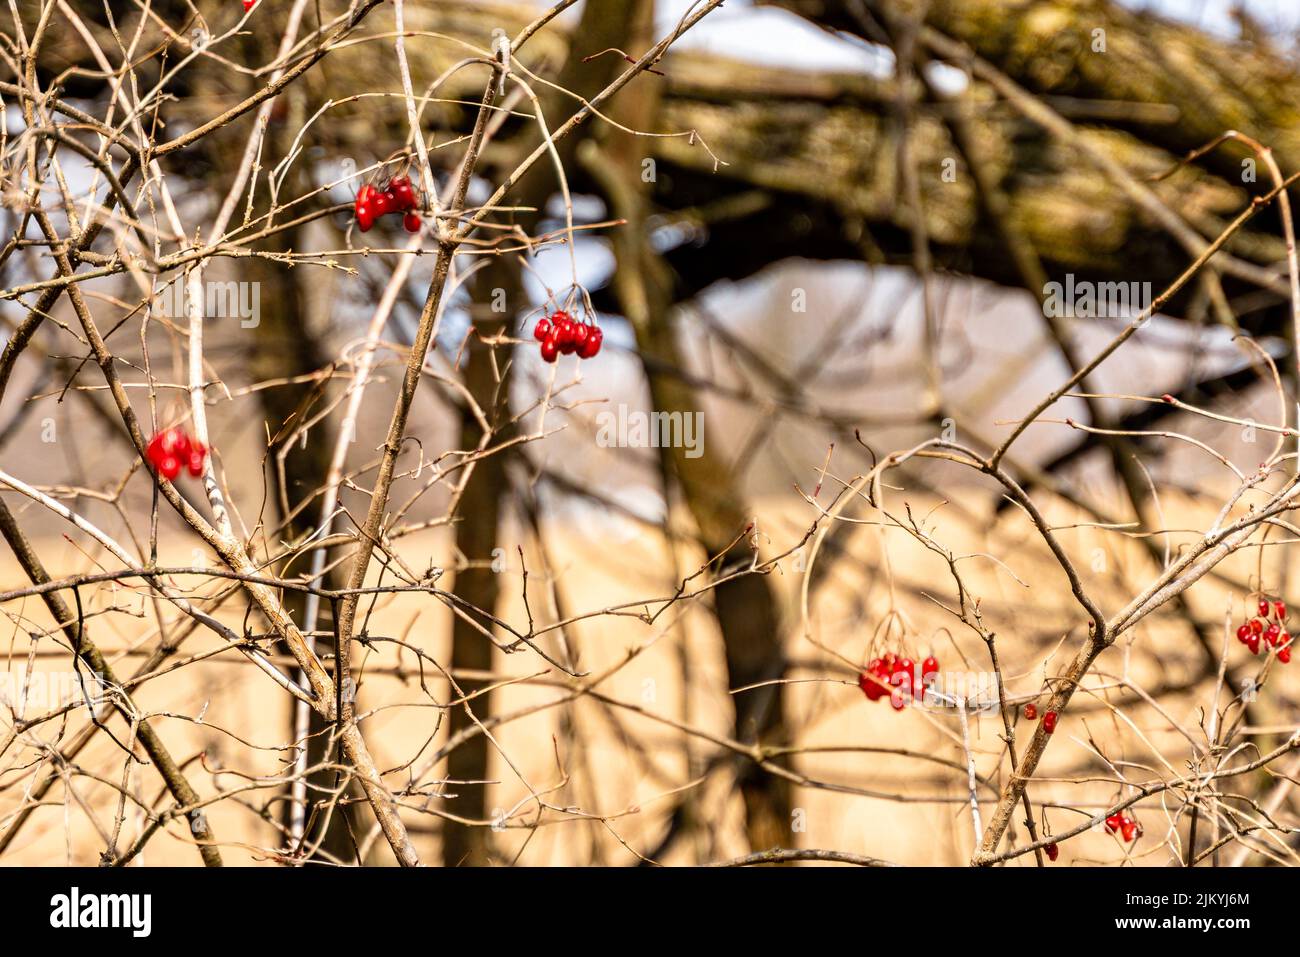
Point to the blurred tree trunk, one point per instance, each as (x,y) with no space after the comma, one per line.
(477,583)
(285,347)
(745,607)
(604,24)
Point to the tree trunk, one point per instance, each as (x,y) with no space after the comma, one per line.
(477,583)
(285,346)
(745,607)
(602,25)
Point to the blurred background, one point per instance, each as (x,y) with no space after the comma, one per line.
(838,221)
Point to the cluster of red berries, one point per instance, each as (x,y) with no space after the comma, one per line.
(172,449)
(1252,631)
(1128,827)
(897,679)
(398,196)
(561,334)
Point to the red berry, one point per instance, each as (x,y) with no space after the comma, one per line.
(1128,828)
(901,677)
(196,459)
(1053,852)
(1243,633)
(902,672)
(589,348)
(1257,626)
(542,331)
(1263,608)
(403,192)
(1271,633)
(1114,822)
(365,216)
(177,442)
(550,351)
(1279,609)
(1253,644)
(880,684)
(249,4)
(580,332)
(1031,711)
(170,442)
(383,203)
(169,466)
(559,316)
(870,681)
(365,207)
(411,223)
(566,337)
(1284,655)
(929,667)
(1049,722)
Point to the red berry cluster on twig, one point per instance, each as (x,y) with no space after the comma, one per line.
(1128,827)
(1259,631)
(896,678)
(172,449)
(399,196)
(561,334)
